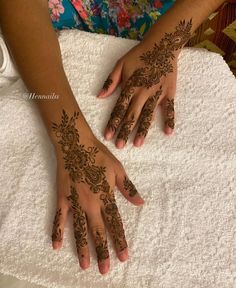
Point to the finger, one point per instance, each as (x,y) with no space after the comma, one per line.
(147,117)
(58,226)
(119,111)
(130,119)
(97,228)
(169,113)
(112,81)
(80,229)
(127,188)
(113,219)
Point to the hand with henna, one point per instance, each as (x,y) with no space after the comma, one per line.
(148,74)
(86,176)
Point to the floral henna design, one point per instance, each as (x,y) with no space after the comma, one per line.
(170,113)
(79,161)
(147,114)
(79,220)
(56,232)
(113,220)
(107,84)
(101,247)
(157,64)
(129,186)
(126,129)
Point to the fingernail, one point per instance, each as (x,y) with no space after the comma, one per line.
(123,256)
(84,263)
(140,200)
(56,245)
(101,93)
(138,142)
(168,130)
(103,267)
(120,143)
(108,135)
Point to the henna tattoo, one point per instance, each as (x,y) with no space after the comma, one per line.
(79,220)
(170,113)
(113,220)
(157,63)
(101,247)
(129,186)
(81,166)
(107,84)
(79,161)
(147,114)
(126,129)
(56,231)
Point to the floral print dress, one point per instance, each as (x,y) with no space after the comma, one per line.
(125,18)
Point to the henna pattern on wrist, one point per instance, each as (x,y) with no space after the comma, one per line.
(170,110)
(56,231)
(147,114)
(113,220)
(107,84)
(101,247)
(157,63)
(126,129)
(79,220)
(129,186)
(79,161)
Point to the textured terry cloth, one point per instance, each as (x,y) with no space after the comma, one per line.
(8,71)
(184,235)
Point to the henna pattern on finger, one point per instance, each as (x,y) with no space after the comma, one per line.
(126,128)
(101,247)
(79,220)
(114,221)
(79,161)
(157,63)
(170,110)
(56,232)
(129,186)
(107,84)
(147,114)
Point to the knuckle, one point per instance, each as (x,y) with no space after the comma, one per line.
(97,229)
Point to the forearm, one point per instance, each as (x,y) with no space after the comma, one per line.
(198,11)
(33,43)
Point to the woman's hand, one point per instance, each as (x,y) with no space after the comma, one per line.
(86,176)
(148,73)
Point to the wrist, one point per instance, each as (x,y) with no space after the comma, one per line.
(71,127)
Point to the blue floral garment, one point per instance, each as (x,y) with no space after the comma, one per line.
(125,18)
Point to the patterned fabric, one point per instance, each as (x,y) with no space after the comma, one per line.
(218,34)
(125,18)
(133,18)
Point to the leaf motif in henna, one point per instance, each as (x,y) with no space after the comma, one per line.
(129,186)
(126,129)
(107,83)
(79,219)
(147,114)
(170,113)
(113,220)
(79,161)
(101,247)
(56,232)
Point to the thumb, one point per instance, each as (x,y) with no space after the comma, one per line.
(58,225)
(112,81)
(127,188)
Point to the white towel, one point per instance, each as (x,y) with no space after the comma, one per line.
(8,71)
(184,235)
